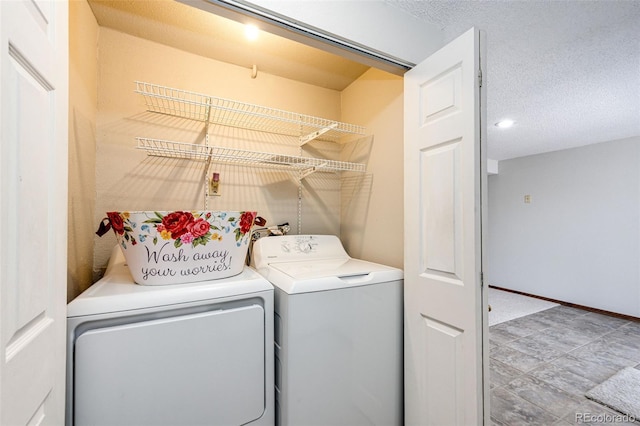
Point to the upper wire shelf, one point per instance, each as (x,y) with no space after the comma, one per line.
(226,112)
(306,165)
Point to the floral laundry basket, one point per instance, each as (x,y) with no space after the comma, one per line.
(178,247)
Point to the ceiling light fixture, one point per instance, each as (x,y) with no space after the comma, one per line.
(251,32)
(504,124)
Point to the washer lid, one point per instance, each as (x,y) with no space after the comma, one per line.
(327,268)
(328,274)
(117,292)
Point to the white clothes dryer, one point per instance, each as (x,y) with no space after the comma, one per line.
(338,333)
(187,354)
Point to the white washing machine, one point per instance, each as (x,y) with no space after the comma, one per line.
(338,333)
(187,354)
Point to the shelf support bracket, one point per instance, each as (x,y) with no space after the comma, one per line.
(307,172)
(206,124)
(209,157)
(207,169)
(311,170)
(316,134)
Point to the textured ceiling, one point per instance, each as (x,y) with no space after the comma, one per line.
(567,72)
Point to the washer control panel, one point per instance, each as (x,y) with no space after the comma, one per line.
(301,244)
(292,248)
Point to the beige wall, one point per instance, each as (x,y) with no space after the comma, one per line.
(83,72)
(107,172)
(371,224)
(128,179)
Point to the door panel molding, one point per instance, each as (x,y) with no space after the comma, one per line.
(444,325)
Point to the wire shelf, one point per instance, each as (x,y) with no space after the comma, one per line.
(172,149)
(232,113)
(179,103)
(256,158)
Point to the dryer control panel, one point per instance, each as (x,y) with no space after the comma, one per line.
(292,248)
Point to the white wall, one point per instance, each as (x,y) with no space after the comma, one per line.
(380,26)
(578,240)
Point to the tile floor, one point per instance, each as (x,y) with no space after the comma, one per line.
(542,364)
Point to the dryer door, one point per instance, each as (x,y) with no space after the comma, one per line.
(204,368)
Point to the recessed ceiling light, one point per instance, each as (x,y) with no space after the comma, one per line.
(504,124)
(251,32)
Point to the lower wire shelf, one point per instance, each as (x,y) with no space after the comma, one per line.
(171,149)
(307,165)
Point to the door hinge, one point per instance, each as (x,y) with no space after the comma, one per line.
(480,77)
(481,279)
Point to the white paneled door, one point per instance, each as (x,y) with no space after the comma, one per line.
(444,315)
(33,210)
